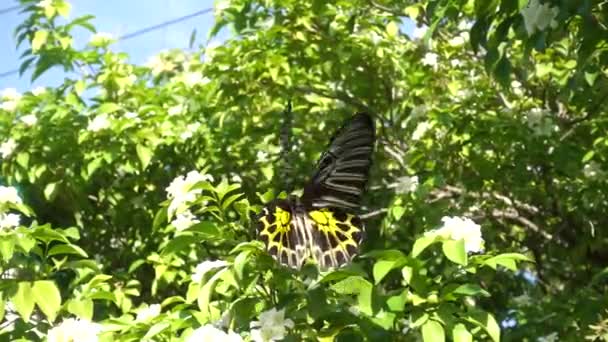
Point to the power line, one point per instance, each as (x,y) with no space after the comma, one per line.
(9,9)
(137,33)
(165,24)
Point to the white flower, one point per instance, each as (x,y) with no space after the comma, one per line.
(354,310)
(130,115)
(201,269)
(180,190)
(457,41)
(75,330)
(461,228)
(100,122)
(455,63)
(220,6)
(592,170)
(516,86)
(148,313)
(8,147)
(224,321)
(210,333)
(29,120)
(374,37)
(8,194)
(552,337)
(539,16)
(10,94)
(159,64)
(419,32)
(8,221)
(9,106)
(45,3)
(271,326)
(418,111)
(190,130)
(262,156)
(430,59)
(176,110)
(38,91)
(539,121)
(184,220)
(421,130)
(192,79)
(406,184)
(101,39)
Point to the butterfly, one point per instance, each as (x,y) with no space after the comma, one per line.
(321,225)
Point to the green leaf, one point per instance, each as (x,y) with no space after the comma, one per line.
(23,300)
(67,249)
(47,297)
(471,290)
(359,286)
(43,64)
(588,156)
(392,29)
(382,268)
(7,247)
(155,330)
(432,331)
(204,296)
(2,309)
(82,308)
(487,322)
(507,260)
(144,154)
(39,39)
(108,107)
(50,191)
(63,8)
(422,243)
(461,334)
(454,250)
(397,212)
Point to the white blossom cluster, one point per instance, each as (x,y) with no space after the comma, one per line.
(460,228)
(539,16)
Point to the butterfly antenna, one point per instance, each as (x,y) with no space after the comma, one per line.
(286,148)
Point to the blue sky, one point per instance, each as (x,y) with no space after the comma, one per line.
(115,17)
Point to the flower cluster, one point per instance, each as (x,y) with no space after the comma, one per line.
(461,228)
(539,16)
(406,184)
(148,313)
(8,194)
(100,122)
(210,333)
(181,191)
(75,330)
(9,99)
(7,148)
(271,326)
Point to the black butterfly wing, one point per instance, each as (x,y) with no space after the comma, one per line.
(319,226)
(342,171)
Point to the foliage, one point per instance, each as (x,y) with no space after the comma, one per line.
(490,120)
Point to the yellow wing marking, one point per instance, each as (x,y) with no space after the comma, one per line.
(275,231)
(338,238)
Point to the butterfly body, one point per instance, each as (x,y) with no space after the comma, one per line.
(321,225)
